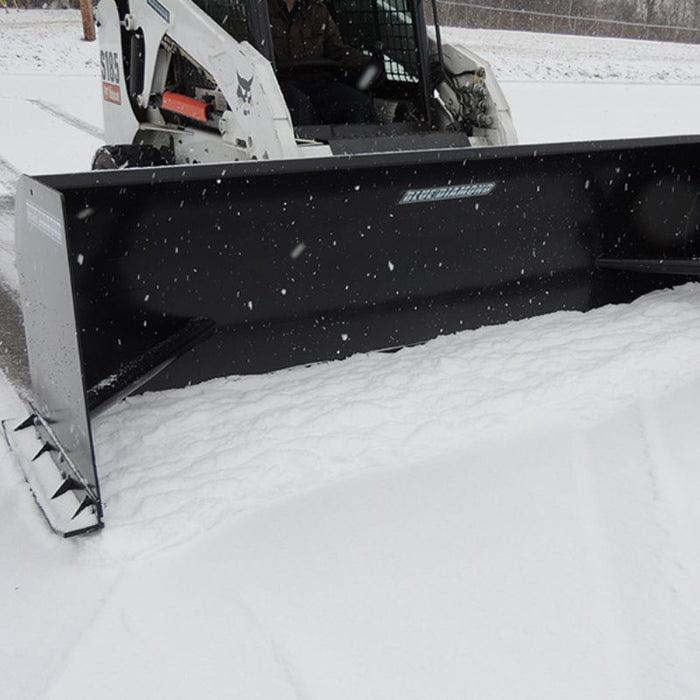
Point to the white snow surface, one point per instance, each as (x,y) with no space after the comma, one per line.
(520,56)
(509,512)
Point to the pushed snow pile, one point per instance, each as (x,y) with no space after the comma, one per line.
(177,463)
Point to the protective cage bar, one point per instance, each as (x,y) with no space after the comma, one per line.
(364,23)
(188,273)
(244,21)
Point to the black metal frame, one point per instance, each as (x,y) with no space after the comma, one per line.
(399,27)
(244,20)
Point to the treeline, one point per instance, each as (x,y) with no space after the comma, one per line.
(45,4)
(655,20)
(665,20)
(677,13)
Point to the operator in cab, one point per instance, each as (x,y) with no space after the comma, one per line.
(303,35)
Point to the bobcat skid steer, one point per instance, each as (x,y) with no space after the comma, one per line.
(195,81)
(215,238)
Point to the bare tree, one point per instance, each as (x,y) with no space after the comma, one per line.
(649,9)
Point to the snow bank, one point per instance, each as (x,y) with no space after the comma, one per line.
(556,57)
(178,463)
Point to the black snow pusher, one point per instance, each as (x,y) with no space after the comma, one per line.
(159,277)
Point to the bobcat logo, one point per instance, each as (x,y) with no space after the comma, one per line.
(244,93)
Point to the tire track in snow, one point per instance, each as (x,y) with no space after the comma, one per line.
(69,118)
(13,352)
(8,182)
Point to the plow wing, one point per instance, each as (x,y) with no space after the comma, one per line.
(156,278)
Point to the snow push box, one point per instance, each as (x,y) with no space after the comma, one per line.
(152,278)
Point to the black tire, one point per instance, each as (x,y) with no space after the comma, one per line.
(127,156)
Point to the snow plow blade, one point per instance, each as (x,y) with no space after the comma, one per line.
(161,277)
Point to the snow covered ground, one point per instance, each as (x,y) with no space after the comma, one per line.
(504,513)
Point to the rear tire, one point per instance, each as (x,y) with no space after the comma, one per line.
(127,156)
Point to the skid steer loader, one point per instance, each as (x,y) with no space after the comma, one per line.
(215,237)
(196,81)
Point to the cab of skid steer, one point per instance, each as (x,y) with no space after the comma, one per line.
(393,29)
